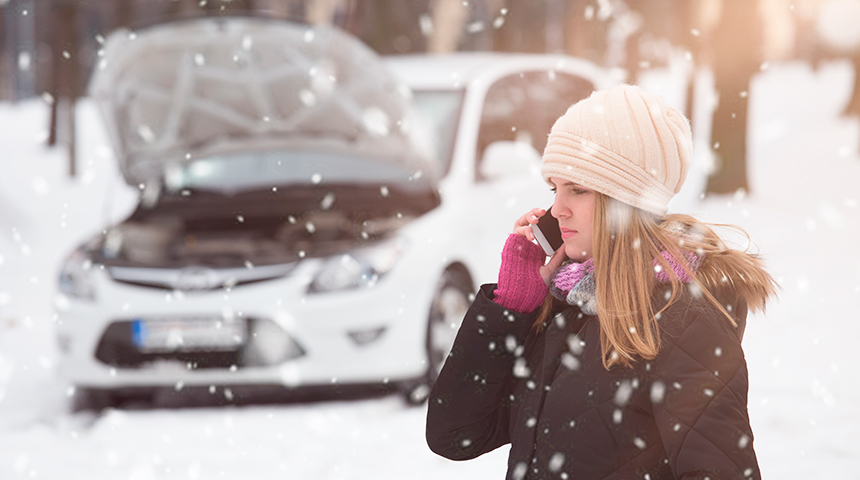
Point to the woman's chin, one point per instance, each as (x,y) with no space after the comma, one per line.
(576,254)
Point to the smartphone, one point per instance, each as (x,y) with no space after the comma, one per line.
(547,233)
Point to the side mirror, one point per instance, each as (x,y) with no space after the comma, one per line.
(506,159)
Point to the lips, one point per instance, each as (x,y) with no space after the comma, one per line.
(567,232)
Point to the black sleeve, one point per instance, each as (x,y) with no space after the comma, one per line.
(468,408)
(702,417)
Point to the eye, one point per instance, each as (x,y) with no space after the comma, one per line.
(553,189)
(579,191)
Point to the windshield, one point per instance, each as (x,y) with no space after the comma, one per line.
(270,169)
(440,109)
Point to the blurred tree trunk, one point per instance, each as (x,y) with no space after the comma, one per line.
(853,107)
(388,26)
(65,75)
(578,41)
(736,58)
(524,27)
(6,62)
(238,6)
(586,31)
(449,19)
(182,8)
(320,12)
(124,13)
(683,35)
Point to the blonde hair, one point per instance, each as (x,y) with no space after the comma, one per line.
(626,242)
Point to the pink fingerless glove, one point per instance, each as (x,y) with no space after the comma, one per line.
(521,287)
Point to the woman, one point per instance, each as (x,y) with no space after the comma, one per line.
(621,357)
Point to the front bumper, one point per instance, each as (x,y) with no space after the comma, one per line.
(362,336)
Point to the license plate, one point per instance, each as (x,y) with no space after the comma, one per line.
(188,334)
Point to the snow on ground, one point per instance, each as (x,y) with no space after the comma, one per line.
(803,215)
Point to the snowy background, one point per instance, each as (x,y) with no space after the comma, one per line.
(802,214)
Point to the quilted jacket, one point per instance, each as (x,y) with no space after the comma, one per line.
(681,415)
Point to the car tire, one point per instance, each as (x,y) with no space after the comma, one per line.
(93,399)
(98,399)
(451,300)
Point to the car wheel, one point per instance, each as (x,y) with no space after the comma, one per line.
(450,302)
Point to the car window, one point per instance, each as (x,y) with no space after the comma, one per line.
(524,106)
(440,110)
(550,94)
(267,169)
(503,115)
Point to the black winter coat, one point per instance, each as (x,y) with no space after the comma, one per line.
(680,415)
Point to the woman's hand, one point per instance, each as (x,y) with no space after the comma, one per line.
(522,226)
(554,262)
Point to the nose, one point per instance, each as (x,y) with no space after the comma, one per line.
(558,209)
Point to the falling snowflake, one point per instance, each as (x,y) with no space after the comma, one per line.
(511,343)
(623,394)
(425,23)
(24,61)
(520,470)
(475,27)
(327,201)
(556,462)
(521,370)
(146,133)
(658,391)
(575,344)
(307,97)
(569,361)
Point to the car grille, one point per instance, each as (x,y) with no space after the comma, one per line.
(198,278)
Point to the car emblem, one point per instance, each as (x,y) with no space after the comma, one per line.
(195,279)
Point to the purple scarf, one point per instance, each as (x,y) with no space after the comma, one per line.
(574,283)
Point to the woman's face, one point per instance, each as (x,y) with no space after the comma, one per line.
(574,209)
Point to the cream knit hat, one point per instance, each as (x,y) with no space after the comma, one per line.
(623,142)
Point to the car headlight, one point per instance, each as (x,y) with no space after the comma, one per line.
(76,276)
(359,268)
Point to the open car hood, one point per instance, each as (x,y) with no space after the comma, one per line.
(177,92)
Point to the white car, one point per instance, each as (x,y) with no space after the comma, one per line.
(297,225)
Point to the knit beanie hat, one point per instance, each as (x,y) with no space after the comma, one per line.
(623,142)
